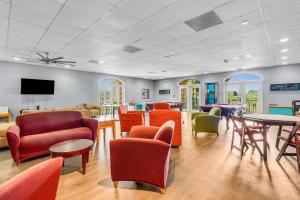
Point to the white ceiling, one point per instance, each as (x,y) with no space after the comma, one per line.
(84,30)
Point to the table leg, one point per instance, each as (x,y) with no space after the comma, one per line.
(278,135)
(114,130)
(98,135)
(84,161)
(227,122)
(265,142)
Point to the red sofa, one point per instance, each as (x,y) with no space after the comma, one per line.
(159,117)
(161,106)
(130,118)
(35,133)
(144,156)
(37,183)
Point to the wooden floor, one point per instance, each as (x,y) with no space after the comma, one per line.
(203,168)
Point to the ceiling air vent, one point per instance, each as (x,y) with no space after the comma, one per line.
(131,49)
(204,21)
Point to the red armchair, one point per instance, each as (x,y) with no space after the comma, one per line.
(35,133)
(159,117)
(130,118)
(161,106)
(144,157)
(39,182)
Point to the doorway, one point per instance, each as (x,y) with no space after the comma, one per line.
(189,94)
(245,89)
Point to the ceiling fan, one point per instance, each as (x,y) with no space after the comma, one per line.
(44,58)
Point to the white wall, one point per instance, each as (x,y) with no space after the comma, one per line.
(280,74)
(71,87)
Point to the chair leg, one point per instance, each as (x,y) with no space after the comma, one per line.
(298,156)
(162,190)
(115,184)
(242,142)
(232,141)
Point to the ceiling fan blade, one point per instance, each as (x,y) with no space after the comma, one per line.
(63,61)
(58,58)
(40,55)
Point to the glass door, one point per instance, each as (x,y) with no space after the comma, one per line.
(184,97)
(252,97)
(233,94)
(195,98)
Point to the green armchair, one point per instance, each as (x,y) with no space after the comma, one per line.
(206,121)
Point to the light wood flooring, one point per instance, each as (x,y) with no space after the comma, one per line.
(203,168)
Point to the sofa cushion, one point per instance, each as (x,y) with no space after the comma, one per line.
(44,122)
(42,142)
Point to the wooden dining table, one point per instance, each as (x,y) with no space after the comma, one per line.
(267,120)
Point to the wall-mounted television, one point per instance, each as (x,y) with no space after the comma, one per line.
(37,86)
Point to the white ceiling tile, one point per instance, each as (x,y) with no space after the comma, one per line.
(123,38)
(30,17)
(65,28)
(162,19)
(114,2)
(120,18)
(142,29)
(3,22)
(44,7)
(217,3)
(94,8)
(267,3)
(76,18)
(287,7)
(100,32)
(4,9)
(151,40)
(141,8)
(178,30)
(166,2)
(188,9)
(253,19)
(26,28)
(236,8)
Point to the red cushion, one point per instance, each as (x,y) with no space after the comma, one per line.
(165,132)
(44,122)
(240,131)
(33,145)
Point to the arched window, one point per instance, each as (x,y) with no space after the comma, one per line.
(244,88)
(112,91)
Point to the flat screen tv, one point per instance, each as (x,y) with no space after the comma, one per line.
(37,86)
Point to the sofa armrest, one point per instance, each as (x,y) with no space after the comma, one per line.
(91,124)
(13,139)
(143,131)
(139,159)
(194,114)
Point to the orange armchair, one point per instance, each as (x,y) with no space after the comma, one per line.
(130,118)
(144,156)
(159,117)
(161,106)
(39,182)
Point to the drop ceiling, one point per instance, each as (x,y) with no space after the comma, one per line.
(154,33)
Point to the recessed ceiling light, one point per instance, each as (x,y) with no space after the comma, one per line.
(248,56)
(284,50)
(16,58)
(284,63)
(244,23)
(236,57)
(283,40)
(67,66)
(205,72)
(284,57)
(101,62)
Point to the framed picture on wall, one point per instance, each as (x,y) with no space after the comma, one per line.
(145,93)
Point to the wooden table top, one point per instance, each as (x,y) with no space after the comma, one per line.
(4,114)
(71,146)
(103,119)
(272,118)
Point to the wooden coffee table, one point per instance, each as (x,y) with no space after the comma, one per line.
(72,148)
(106,123)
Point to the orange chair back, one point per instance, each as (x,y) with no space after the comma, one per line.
(159,117)
(161,106)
